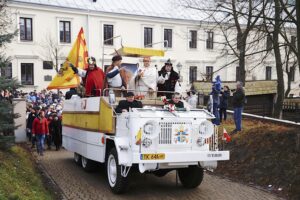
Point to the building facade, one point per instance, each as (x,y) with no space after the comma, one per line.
(47,30)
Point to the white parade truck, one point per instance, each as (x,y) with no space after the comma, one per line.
(152,139)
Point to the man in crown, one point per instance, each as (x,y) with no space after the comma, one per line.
(93,78)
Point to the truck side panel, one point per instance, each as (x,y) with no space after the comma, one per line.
(86,143)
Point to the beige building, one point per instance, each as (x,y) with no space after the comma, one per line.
(49,28)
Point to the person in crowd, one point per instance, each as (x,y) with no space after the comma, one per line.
(55,127)
(114,76)
(225,94)
(216,90)
(125,105)
(167,79)
(176,97)
(40,130)
(31,117)
(192,99)
(93,78)
(238,100)
(49,137)
(70,93)
(146,78)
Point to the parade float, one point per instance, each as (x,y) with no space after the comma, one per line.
(154,139)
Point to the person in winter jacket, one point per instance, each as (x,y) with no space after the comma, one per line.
(238,100)
(55,128)
(225,94)
(40,130)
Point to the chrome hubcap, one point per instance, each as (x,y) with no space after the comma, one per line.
(112,170)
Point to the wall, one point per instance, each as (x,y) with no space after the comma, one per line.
(45,23)
(20,108)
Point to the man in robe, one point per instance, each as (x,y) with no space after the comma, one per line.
(167,80)
(146,79)
(93,78)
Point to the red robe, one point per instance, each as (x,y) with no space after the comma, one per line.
(94,82)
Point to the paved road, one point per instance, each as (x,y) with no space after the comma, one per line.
(77,184)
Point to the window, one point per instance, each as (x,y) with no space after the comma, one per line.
(25,29)
(209,73)
(47,65)
(6,71)
(210,40)
(193,74)
(268,73)
(148,37)
(193,40)
(108,33)
(292,72)
(27,73)
(237,73)
(168,37)
(65,31)
(293,41)
(269,42)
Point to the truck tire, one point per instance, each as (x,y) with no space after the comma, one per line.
(117,183)
(87,164)
(190,177)
(77,158)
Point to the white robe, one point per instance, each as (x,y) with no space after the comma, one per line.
(147,81)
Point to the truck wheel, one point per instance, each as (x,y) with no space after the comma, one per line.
(77,158)
(118,184)
(87,164)
(190,177)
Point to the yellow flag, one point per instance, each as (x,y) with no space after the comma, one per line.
(78,57)
(139,137)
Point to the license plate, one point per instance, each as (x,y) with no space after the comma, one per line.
(158,156)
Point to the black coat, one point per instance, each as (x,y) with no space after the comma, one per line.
(224,99)
(30,119)
(124,104)
(169,84)
(177,105)
(55,129)
(238,98)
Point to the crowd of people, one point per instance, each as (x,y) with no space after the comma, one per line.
(44,119)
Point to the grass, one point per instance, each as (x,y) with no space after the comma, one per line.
(19,178)
(263,153)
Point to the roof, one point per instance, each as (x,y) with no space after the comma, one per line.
(251,87)
(139,52)
(169,9)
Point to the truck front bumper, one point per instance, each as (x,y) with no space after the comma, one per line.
(180,157)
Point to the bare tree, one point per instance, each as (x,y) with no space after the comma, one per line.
(51,51)
(237,18)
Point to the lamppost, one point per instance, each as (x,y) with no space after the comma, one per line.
(179,67)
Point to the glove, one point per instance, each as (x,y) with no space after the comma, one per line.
(75,70)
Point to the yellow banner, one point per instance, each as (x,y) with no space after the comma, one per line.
(78,57)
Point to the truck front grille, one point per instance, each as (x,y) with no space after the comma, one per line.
(165,135)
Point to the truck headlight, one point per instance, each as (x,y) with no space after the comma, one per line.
(206,129)
(147,142)
(151,129)
(200,141)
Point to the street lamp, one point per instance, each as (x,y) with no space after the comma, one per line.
(179,67)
